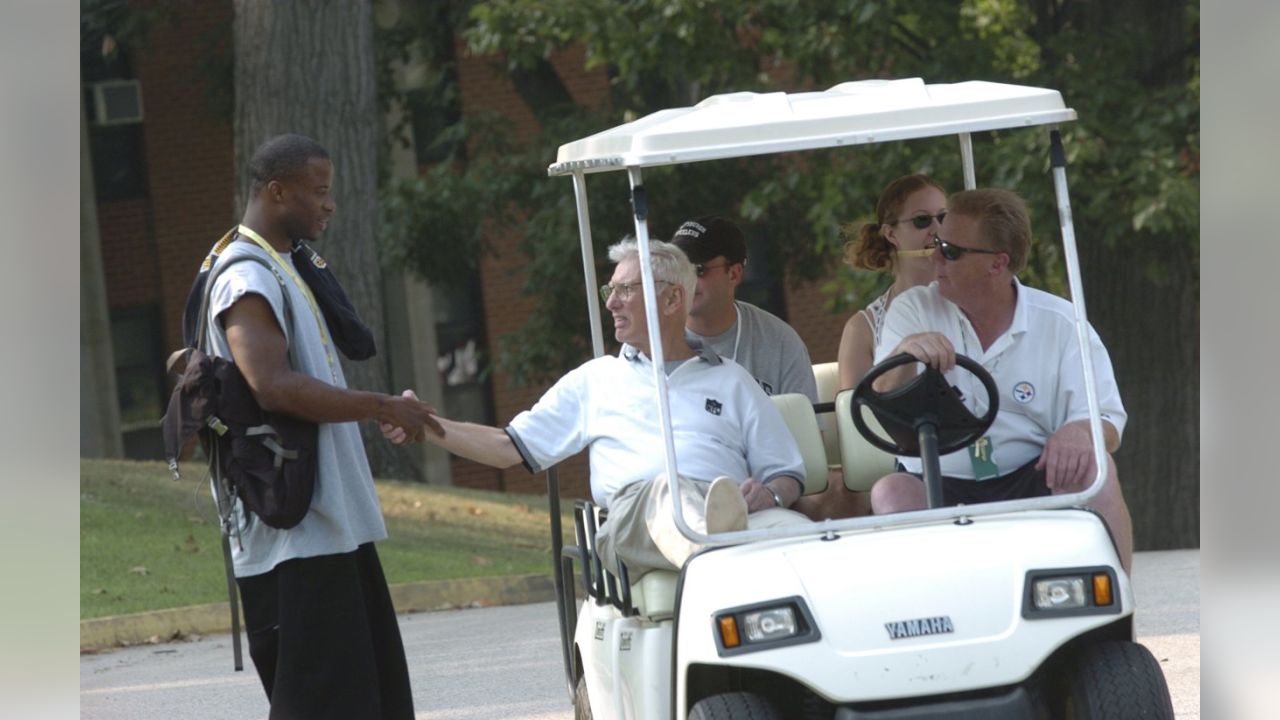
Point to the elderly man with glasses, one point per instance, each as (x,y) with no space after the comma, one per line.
(757,340)
(1040,442)
(739,465)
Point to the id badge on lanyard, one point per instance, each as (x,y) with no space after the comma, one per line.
(984,468)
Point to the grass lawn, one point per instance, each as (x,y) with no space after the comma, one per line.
(148,542)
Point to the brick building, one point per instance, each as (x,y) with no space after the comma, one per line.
(165,186)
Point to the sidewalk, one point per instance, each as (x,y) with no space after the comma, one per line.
(178,623)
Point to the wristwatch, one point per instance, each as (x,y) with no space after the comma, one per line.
(776,497)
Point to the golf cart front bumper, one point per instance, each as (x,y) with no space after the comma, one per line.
(1012,704)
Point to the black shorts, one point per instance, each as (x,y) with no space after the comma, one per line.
(325,641)
(1024,482)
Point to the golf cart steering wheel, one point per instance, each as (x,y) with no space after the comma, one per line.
(926,399)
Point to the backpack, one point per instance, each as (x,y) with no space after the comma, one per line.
(267,460)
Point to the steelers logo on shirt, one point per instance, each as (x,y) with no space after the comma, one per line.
(1024,392)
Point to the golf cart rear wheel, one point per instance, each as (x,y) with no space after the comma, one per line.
(1117,680)
(733,706)
(581,703)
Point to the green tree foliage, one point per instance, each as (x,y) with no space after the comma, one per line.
(1133,153)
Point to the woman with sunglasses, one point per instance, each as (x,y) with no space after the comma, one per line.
(908,215)
(900,241)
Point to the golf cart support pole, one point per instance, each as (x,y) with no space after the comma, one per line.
(640,211)
(588,261)
(1058,161)
(966,160)
(558,574)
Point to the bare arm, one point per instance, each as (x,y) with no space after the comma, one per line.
(1068,459)
(930,348)
(857,350)
(260,352)
(482,443)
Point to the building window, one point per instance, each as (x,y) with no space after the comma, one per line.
(113,109)
(118,170)
(463,362)
(140,382)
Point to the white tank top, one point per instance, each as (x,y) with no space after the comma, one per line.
(874,313)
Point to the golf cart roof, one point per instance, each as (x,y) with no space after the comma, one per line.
(851,113)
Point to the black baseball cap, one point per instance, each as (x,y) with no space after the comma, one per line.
(710,236)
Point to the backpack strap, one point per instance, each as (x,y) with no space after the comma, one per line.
(201,337)
(222,495)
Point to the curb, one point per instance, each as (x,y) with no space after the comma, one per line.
(164,625)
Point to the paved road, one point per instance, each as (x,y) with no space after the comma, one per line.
(505,662)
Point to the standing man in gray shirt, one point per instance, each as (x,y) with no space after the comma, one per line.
(322,630)
(762,343)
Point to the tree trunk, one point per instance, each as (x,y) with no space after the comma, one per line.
(100,434)
(308,67)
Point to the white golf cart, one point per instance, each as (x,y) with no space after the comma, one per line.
(1016,609)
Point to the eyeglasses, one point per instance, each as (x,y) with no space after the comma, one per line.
(702,269)
(951,251)
(624,290)
(922,220)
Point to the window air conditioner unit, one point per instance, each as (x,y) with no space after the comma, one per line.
(117,102)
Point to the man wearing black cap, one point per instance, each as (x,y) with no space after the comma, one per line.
(757,340)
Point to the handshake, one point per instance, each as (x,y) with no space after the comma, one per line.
(408,419)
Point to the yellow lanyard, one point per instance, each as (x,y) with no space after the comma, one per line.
(302,287)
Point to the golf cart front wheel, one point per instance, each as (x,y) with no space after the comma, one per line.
(733,706)
(581,703)
(1117,680)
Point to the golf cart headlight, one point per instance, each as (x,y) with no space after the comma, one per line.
(1059,593)
(770,624)
(764,626)
(1066,592)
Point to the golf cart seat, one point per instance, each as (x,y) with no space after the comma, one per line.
(654,595)
(861,462)
(827,376)
(798,413)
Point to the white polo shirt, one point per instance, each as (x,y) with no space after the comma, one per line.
(722,423)
(1036,365)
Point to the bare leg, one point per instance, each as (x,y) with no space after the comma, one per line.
(1110,504)
(898,492)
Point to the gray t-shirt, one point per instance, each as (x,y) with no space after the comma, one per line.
(344,510)
(768,348)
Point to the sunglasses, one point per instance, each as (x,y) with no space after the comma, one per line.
(922,220)
(701,269)
(951,251)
